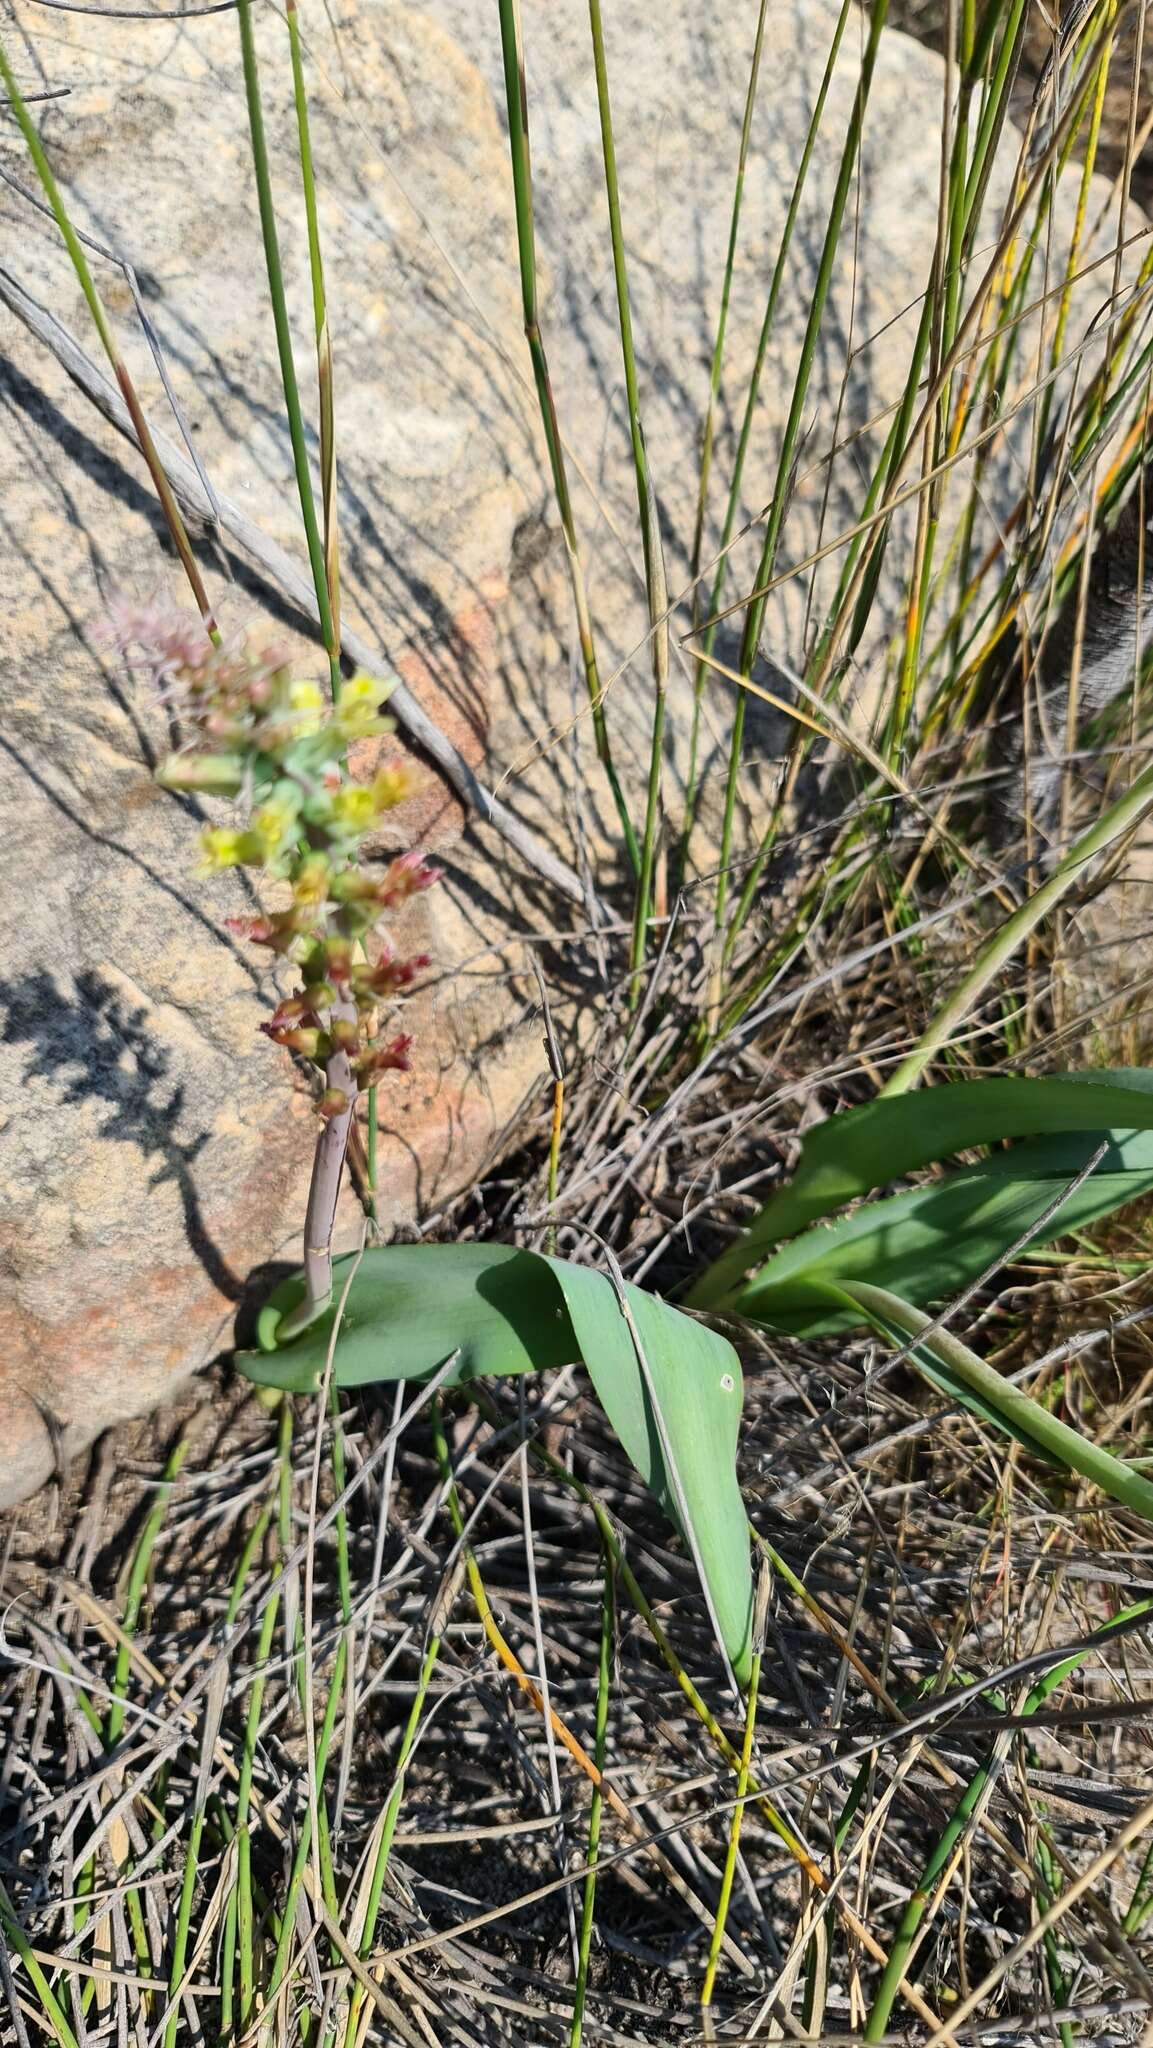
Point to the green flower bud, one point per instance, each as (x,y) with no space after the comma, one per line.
(217,774)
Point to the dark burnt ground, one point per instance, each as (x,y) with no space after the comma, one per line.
(914,1552)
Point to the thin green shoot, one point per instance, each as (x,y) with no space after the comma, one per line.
(279,303)
(516,109)
(596,1803)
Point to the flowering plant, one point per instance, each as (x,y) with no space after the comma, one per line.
(261,735)
(670,1387)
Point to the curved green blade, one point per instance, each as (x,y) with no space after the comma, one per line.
(951,1366)
(932,1242)
(882,1140)
(670,1387)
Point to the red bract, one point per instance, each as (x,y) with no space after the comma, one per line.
(381,1059)
(306,1039)
(388,975)
(293,1010)
(404,877)
(279,931)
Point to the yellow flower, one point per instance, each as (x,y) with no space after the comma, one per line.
(391,786)
(353,808)
(306,702)
(356,716)
(275,823)
(364,689)
(221,849)
(311,880)
(220,774)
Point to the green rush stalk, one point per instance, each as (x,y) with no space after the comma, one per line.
(386,1829)
(755,613)
(237,1956)
(744,1771)
(732,507)
(196,1827)
(647,511)
(276,293)
(887,491)
(718,358)
(323,334)
(171,510)
(1016,1412)
(596,1803)
(999,948)
(516,107)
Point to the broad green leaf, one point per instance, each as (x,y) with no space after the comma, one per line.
(670,1387)
(868,1147)
(409,1308)
(934,1241)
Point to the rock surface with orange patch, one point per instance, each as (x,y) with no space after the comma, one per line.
(453,683)
(154,1149)
(154,1152)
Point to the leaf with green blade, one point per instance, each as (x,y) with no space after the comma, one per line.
(934,1241)
(949,1364)
(409,1308)
(867,1147)
(670,1387)
(685,1379)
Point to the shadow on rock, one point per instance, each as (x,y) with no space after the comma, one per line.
(95,1046)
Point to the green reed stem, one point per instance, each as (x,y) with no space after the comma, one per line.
(52,2009)
(752,395)
(596,1803)
(744,1771)
(114,1718)
(199,1812)
(282,1965)
(1048,1885)
(516,107)
(134,1593)
(647,511)
(173,517)
(237,1951)
(858,582)
(723,314)
(1097,87)
(437,1627)
(1141,1904)
(324,369)
(279,302)
(755,614)
(998,950)
(893,455)
(944,1359)
(945,297)
(282,1961)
